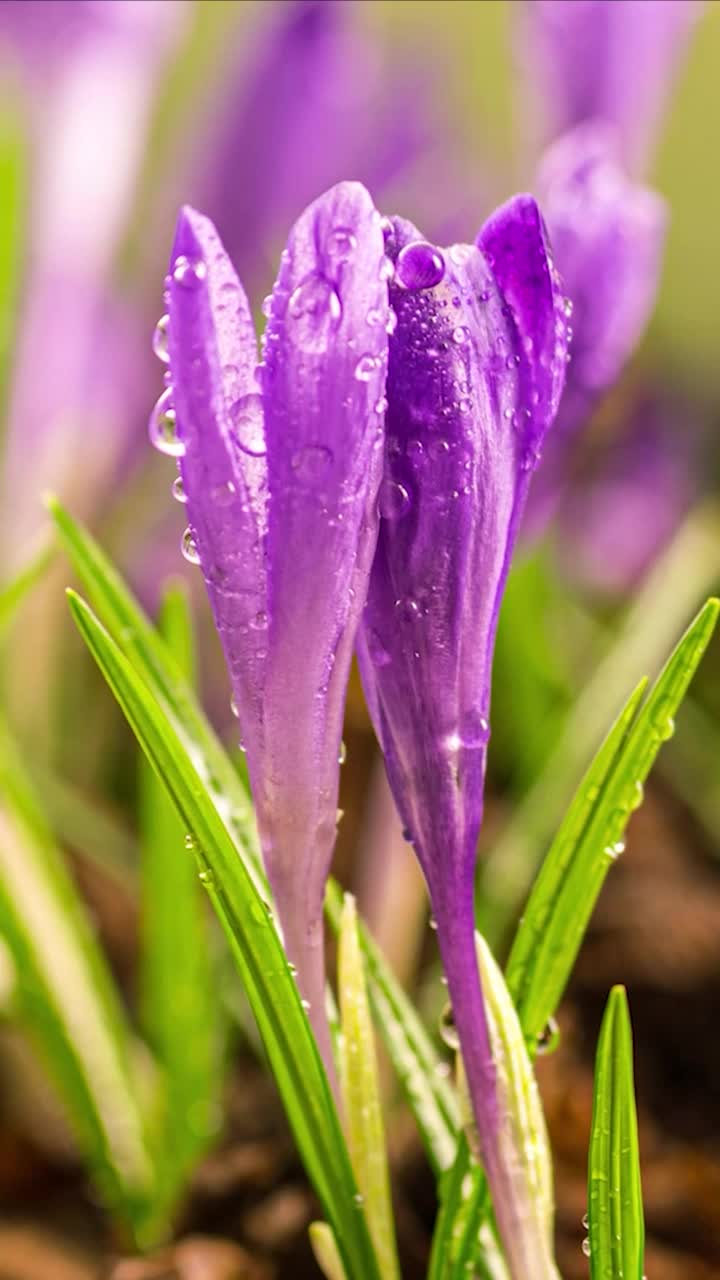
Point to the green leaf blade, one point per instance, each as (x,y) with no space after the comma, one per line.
(68,1000)
(178,989)
(360,1086)
(254,941)
(590,839)
(615,1211)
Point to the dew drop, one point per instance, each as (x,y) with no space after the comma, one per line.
(188,272)
(178,490)
(188,546)
(585,1246)
(311,463)
(342,753)
(374,316)
(386,227)
(341,244)
(420,265)
(162,427)
(549,1038)
(392,321)
(381,406)
(316,309)
(248,425)
(234,708)
(461,334)
(365,368)
(393,500)
(448,1030)
(266,306)
(160,339)
(438,449)
(206,877)
(387,269)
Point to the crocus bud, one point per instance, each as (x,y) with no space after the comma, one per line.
(476,368)
(608,60)
(280,465)
(608,234)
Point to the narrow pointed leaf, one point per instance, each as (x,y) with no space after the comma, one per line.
(325,1249)
(411,1050)
(68,1001)
(360,1086)
(13,593)
(588,843)
(615,1212)
(417,1063)
(178,990)
(254,941)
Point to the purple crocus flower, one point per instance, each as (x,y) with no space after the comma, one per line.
(476,368)
(610,60)
(280,465)
(607,233)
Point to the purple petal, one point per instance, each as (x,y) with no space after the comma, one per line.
(475,370)
(607,60)
(607,234)
(325,362)
(213,356)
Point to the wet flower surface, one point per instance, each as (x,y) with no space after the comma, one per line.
(280,463)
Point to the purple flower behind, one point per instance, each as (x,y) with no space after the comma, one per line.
(607,234)
(476,369)
(280,466)
(608,60)
(316,99)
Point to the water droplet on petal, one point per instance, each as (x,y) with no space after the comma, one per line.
(188,272)
(162,427)
(234,707)
(392,321)
(248,425)
(316,308)
(160,339)
(374,316)
(420,265)
(365,368)
(549,1038)
(393,500)
(178,490)
(381,406)
(341,244)
(448,1030)
(461,334)
(342,753)
(311,463)
(386,227)
(188,546)
(266,305)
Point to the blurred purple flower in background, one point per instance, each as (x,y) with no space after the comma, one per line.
(611,60)
(318,99)
(280,468)
(91,72)
(607,234)
(476,369)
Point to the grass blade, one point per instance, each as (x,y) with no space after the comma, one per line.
(588,843)
(417,1064)
(411,1050)
(615,1212)
(254,941)
(178,993)
(69,1003)
(325,1249)
(361,1094)
(13,593)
